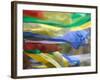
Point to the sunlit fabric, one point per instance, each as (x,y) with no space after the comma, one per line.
(53,39)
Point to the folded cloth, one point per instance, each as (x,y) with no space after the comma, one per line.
(72,60)
(31,47)
(35,36)
(78,22)
(75,38)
